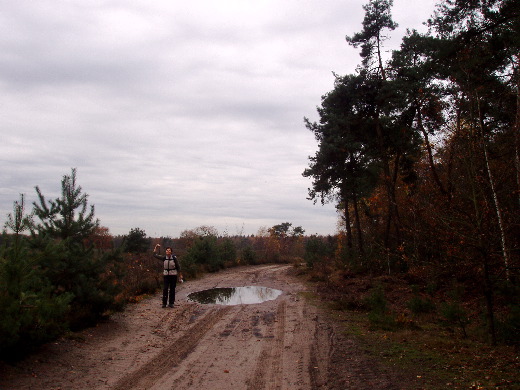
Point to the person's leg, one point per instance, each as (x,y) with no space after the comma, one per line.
(165,291)
(173,284)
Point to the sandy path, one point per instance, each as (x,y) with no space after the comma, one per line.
(281,344)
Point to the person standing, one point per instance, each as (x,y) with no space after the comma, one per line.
(172,270)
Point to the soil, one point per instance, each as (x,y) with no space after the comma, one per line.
(287,343)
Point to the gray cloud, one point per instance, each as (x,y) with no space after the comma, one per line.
(175,115)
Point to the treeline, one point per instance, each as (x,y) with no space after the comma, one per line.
(204,249)
(421,151)
(60,270)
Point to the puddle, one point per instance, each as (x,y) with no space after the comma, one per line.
(235,295)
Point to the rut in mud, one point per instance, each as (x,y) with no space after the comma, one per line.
(285,343)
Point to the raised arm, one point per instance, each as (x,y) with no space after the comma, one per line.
(157,256)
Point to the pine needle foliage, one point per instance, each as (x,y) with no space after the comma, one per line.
(53,280)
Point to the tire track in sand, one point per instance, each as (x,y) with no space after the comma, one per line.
(322,348)
(268,372)
(171,355)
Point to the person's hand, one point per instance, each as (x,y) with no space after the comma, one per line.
(156,246)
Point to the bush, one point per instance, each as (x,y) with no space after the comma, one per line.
(142,276)
(419,305)
(249,256)
(508,329)
(31,313)
(315,251)
(203,256)
(454,315)
(379,315)
(92,278)
(190,269)
(453,312)
(227,252)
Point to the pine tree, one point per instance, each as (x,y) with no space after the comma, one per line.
(66,217)
(67,257)
(136,241)
(30,311)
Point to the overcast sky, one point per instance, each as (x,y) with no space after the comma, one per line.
(175,114)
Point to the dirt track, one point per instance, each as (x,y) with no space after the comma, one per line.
(287,343)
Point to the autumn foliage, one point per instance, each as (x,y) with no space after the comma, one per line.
(420,151)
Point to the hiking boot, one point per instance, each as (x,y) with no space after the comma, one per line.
(171,305)
(163,306)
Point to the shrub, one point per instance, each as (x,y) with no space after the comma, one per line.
(508,328)
(141,276)
(379,315)
(419,305)
(454,314)
(315,251)
(249,256)
(202,256)
(31,313)
(227,252)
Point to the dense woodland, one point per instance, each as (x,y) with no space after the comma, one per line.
(419,151)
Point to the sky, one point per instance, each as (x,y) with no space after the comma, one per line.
(175,114)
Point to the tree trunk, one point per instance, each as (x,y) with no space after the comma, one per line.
(516,128)
(358,228)
(492,185)
(393,200)
(348,226)
(429,150)
(386,179)
(488,293)
(384,157)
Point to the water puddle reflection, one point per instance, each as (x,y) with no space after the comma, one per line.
(235,295)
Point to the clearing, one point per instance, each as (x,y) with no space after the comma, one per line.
(286,343)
